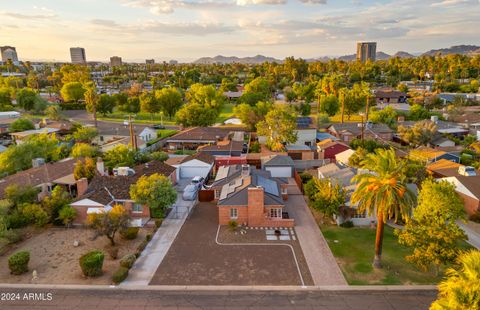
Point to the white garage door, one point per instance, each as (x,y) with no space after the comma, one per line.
(280,172)
(190,172)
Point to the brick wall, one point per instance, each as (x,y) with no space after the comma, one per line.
(255,206)
(471,204)
(224,214)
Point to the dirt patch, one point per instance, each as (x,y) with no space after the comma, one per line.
(55,259)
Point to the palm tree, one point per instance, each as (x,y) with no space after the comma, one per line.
(461,288)
(382,191)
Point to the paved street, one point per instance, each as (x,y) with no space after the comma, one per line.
(115,298)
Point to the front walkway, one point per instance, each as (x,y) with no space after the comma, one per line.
(146,265)
(321,262)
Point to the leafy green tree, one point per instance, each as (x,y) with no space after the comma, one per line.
(259,88)
(417,112)
(84,150)
(160,156)
(91,100)
(433,232)
(278,127)
(108,223)
(21,124)
(329,105)
(387,116)
(58,199)
(251,115)
(460,289)
(421,133)
(85,169)
(21,194)
(39,105)
(85,134)
(72,91)
(67,214)
(194,114)
(149,104)
(368,145)
(156,191)
(383,192)
(105,104)
(119,156)
(53,112)
(170,100)
(5,97)
(325,196)
(26,98)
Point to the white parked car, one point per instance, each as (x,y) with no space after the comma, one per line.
(190,192)
(198,181)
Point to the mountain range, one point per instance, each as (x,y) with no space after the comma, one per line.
(458,49)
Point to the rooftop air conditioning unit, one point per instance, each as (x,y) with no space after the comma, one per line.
(467,171)
(37,162)
(123,171)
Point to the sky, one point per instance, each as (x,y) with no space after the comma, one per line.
(188,29)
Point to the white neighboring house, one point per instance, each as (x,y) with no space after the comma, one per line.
(148,134)
(343,157)
(280,166)
(199,164)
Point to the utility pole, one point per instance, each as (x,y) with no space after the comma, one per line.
(343,105)
(363,128)
(133,140)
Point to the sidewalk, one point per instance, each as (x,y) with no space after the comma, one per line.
(321,262)
(473,237)
(147,264)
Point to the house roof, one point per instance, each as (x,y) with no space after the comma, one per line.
(443,165)
(325,144)
(325,135)
(305,122)
(278,160)
(426,153)
(467,118)
(234,146)
(204,157)
(103,189)
(356,128)
(35,176)
(235,193)
(389,93)
(200,134)
(26,133)
(175,160)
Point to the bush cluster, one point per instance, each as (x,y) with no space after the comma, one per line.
(18,262)
(119,275)
(129,233)
(92,263)
(128,260)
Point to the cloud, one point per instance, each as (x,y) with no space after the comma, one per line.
(186,29)
(271,2)
(314,1)
(453,3)
(159,7)
(28,16)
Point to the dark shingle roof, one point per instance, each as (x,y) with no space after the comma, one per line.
(279,160)
(206,158)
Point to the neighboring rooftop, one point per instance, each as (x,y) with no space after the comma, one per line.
(278,160)
(200,134)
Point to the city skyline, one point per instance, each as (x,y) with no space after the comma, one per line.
(187,30)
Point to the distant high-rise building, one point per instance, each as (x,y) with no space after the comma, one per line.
(9,52)
(173,62)
(115,61)
(78,55)
(366,51)
(150,61)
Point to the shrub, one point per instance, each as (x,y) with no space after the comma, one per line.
(475,217)
(35,214)
(18,262)
(16,220)
(128,260)
(255,147)
(12,236)
(129,233)
(141,247)
(120,275)
(232,225)
(92,263)
(158,222)
(305,177)
(67,214)
(148,237)
(347,224)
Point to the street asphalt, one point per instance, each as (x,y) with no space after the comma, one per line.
(298,299)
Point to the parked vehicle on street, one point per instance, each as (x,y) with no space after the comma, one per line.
(190,192)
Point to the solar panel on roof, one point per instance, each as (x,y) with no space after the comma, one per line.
(269,186)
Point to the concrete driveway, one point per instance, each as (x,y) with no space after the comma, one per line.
(321,262)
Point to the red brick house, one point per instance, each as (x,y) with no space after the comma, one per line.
(253,199)
(105,191)
(328,149)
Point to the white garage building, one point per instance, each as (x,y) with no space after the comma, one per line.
(199,164)
(280,166)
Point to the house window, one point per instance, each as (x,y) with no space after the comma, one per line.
(359,215)
(217,194)
(137,208)
(276,213)
(233,213)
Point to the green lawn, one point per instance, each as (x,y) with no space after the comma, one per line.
(140,118)
(225,113)
(354,251)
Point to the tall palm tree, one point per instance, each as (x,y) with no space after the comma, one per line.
(383,191)
(461,288)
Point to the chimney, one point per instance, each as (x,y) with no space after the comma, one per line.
(256,206)
(82,185)
(100,166)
